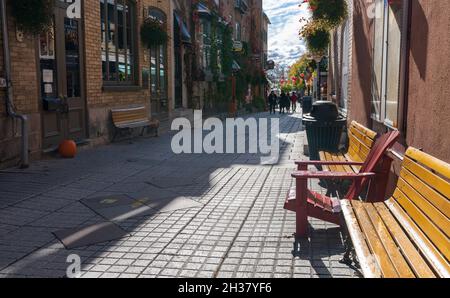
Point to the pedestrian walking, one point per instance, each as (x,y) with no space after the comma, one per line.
(272,102)
(294,100)
(284,102)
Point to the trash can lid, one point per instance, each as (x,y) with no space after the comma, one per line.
(324,110)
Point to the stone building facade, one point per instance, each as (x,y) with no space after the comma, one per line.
(388,70)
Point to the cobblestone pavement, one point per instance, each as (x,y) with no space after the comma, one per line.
(239,230)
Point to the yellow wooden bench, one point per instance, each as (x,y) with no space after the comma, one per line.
(130,118)
(361,140)
(407,235)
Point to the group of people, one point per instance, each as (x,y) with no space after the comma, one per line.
(286,102)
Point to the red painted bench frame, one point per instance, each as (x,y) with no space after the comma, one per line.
(375,170)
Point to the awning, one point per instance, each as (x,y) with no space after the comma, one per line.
(185,35)
(202,9)
(236,66)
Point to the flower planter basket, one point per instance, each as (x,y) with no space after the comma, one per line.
(153,33)
(333,12)
(33,16)
(317,36)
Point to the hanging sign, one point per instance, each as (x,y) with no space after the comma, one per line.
(238,46)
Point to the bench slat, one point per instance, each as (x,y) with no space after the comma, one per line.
(433,256)
(439,219)
(133,124)
(356,169)
(359,148)
(381,255)
(120,118)
(414,259)
(351,154)
(341,157)
(428,177)
(367,261)
(323,158)
(370,133)
(329,157)
(397,259)
(440,241)
(362,137)
(431,195)
(431,162)
(341,168)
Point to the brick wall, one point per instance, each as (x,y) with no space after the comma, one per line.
(99,101)
(25,87)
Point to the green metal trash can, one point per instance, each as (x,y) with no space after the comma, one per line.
(307,104)
(324,128)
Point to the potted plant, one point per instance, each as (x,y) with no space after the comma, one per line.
(316,34)
(334,12)
(33,16)
(153,33)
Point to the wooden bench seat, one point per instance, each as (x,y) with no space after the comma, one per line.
(360,142)
(130,118)
(407,235)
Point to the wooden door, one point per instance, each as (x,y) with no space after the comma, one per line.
(62,89)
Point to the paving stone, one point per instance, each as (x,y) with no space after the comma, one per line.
(88,235)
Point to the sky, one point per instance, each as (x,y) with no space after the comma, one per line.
(285,45)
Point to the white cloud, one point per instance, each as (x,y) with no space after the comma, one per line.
(285,45)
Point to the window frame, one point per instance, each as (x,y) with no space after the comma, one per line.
(134,52)
(206,43)
(345,62)
(386,51)
(157,51)
(238,32)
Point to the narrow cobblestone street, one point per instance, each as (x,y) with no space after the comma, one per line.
(236,228)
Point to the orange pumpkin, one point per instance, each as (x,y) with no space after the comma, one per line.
(67,149)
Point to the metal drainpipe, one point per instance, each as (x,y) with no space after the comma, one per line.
(9,96)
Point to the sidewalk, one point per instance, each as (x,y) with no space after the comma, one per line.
(210,215)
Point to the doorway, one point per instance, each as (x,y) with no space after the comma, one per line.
(61,80)
(158,72)
(158,83)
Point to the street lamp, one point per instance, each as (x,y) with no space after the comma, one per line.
(317,58)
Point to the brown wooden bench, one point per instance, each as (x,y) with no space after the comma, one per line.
(360,141)
(131,118)
(407,235)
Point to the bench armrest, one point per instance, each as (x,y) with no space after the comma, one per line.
(327,163)
(330,175)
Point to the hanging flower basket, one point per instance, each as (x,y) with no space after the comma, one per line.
(316,34)
(33,16)
(153,33)
(334,12)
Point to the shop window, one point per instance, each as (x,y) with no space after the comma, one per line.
(47,57)
(206,43)
(118,27)
(158,60)
(386,61)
